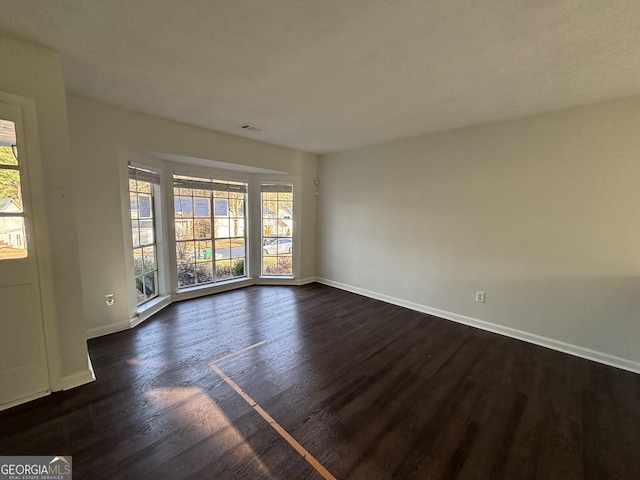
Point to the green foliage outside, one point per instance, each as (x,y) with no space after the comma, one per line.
(9,179)
(144,279)
(280,265)
(201,273)
(238,268)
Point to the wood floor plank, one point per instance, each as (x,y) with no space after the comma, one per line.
(371,390)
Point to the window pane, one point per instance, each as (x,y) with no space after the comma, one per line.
(13,243)
(183,206)
(182,191)
(268,228)
(150,285)
(135,233)
(133,201)
(185,252)
(204,251)
(223,249)
(236,227)
(269,196)
(237,247)
(10,190)
(221,228)
(238,267)
(269,253)
(220,207)
(144,187)
(284,228)
(236,207)
(184,229)
(204,272)
(202,228)
(137,261)
(202,207)
(140,296)
(146,232)
(6,156)
(8,138)
(284,265)
(186,274)
(285,210)
(220,194)
(223,269)
(269,209)
(149,259)
(145,209)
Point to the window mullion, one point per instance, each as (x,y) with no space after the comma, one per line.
(10,167)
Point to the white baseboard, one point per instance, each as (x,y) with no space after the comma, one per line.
(558,345)
(79,378)
(26,399)
(107,329)
(284,281)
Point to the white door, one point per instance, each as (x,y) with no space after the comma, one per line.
(23,362)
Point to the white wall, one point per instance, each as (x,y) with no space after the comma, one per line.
(99,136)
(542,213)
(36,73)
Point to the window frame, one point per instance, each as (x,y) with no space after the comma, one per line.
(139,174)
(283,260)
(186,186)
(18,167)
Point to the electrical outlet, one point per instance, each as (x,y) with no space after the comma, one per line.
(480,297)
(110,299)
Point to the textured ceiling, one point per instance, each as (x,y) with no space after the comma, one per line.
(328,75)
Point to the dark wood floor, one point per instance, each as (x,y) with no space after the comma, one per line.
(371,390)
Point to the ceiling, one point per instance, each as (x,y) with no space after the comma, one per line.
(329,75)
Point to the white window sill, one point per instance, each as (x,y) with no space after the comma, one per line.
(213,285)
(149,308)
(210,288)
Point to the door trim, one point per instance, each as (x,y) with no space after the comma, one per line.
(28,138)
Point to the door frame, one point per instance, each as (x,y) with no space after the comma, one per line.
(28,139)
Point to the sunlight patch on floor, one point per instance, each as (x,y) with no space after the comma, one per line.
(201,414)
